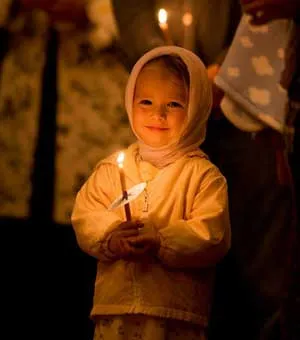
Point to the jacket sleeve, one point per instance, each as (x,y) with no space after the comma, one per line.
(91,219)
(204,238)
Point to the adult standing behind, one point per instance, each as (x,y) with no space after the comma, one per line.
(261,197)
(61,94)
(270,10)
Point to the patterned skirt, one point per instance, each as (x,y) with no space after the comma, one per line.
(143,327)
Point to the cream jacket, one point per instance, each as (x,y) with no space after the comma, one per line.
(187,203)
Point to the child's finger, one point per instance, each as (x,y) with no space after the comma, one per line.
(128,233)
(129,225)
(140,239)
(141,250)
(127,249)
(123,247)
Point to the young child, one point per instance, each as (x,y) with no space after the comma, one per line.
(155,273)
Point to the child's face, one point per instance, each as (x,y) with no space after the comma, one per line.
(159,106)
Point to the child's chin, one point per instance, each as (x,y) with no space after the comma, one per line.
(157,145)
(156,141)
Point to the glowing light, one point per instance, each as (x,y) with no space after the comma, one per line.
(162,16)
(187,19)
(120,159)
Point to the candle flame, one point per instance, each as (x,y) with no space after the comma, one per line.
(162,16)
(187,19)
(120,159)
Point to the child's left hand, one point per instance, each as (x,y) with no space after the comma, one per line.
(148,238)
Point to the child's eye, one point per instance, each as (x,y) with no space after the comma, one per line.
(174,105)
(145,102)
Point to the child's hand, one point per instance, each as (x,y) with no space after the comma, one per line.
(148,239)
(119,241)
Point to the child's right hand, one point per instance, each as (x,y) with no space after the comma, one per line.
(119,242)
(148,238)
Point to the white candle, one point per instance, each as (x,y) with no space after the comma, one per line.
(188,36)
(163,24)
(120,161)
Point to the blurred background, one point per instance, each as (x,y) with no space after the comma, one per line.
(63,71)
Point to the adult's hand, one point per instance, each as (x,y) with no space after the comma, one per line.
(263,11)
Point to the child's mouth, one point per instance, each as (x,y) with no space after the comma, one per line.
(156,128)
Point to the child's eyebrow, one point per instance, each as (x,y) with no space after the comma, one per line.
(182,95)
(142,96)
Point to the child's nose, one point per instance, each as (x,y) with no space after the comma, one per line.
(160,112)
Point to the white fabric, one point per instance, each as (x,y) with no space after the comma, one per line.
(199,106)
(250,76)
(188,205)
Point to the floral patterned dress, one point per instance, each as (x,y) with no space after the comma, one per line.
(142,327)
(89,115)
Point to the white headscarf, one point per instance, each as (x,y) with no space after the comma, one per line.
(199,107)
